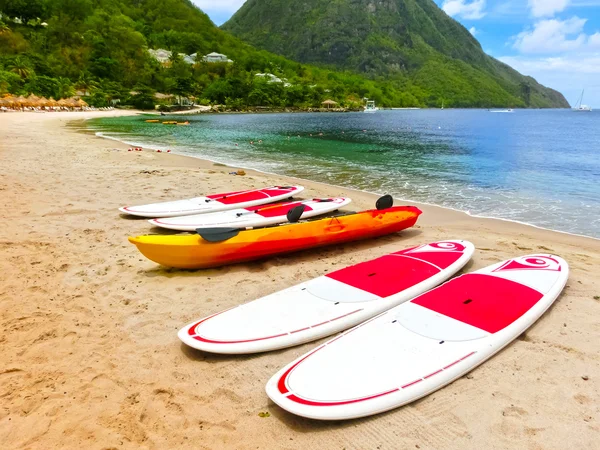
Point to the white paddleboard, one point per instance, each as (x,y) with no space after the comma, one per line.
(328,304)
(421,345)
(214,202)
(256,216)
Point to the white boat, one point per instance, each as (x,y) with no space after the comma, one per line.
(503,111)
(580,107)
(371,108)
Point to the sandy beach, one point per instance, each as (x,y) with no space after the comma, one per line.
(89,355)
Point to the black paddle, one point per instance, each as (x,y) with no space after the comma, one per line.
(295,213)
(217,234)
(385,202)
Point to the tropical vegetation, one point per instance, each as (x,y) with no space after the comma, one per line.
(98,49)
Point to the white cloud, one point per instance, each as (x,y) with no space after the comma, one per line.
(547,8)
(464,8)
(594,41)
(474,31)
(553,36)
(228,6)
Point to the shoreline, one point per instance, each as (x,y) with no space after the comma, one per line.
(304,180)
(90,355)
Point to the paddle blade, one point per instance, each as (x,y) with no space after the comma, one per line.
(217,234)
(385,202)
(294,214)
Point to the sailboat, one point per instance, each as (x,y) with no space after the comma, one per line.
(580,107)
(371,108)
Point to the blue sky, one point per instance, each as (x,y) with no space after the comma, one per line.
(555,41)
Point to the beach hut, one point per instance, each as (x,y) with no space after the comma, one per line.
(329,103)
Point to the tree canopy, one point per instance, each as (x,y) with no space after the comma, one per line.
(99,48)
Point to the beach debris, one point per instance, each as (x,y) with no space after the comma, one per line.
(238,172)
(596,297)
(585,378)
(264,414)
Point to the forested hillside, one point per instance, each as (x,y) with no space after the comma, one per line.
(54,48)
(385,39)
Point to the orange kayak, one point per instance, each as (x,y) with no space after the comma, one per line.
(195,252)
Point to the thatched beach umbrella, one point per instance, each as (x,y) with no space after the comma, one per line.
(8,101)
(329,103)
(81,103)
(63,103)
(20,100)
(33,98)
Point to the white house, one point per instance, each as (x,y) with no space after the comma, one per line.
(215,57)
(273,79)
(161,55)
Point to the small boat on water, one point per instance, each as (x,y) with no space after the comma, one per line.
(580,107)
(371,108)
(152,121)
(502,111)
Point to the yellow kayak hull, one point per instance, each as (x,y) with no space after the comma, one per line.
(193,252)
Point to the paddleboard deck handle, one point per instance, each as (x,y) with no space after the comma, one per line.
(385,202)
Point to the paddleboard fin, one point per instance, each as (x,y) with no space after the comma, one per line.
(385,202)
(217,234)
(295,213)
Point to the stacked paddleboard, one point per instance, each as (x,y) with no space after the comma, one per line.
(254,216)
(214,202)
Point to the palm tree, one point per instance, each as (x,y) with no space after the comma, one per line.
(20,67)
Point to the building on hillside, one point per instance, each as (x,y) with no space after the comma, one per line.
(274,79)
(161,55)
(215,57)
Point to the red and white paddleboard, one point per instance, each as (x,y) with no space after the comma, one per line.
(214,202)
(328,304)
(255,216)
(421,345)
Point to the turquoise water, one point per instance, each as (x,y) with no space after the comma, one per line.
(536,166)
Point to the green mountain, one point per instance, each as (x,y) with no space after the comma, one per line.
(54,48)
(411,41)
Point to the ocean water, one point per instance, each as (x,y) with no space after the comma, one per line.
(540,167)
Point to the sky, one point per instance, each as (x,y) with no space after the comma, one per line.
(555,41)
